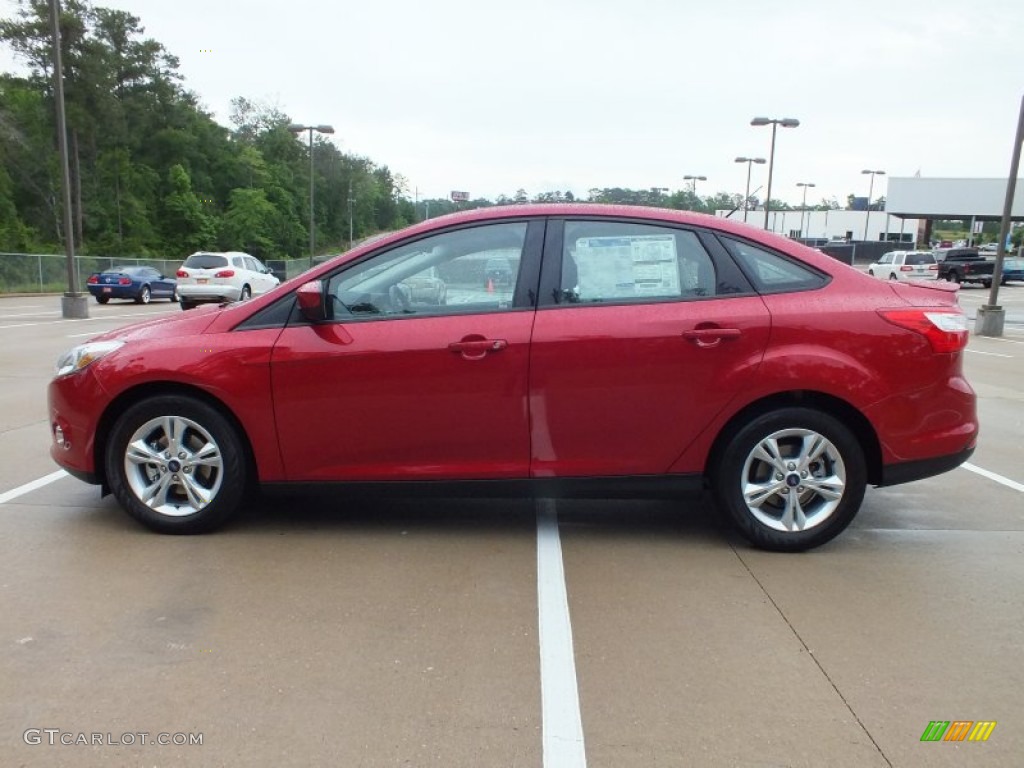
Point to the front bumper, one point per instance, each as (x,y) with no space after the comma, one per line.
(78,424)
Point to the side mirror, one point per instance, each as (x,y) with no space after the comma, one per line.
(311,301)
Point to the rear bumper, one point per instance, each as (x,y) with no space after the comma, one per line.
(204,293)
(907,471)
(114,292)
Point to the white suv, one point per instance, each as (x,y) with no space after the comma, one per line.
(208,276)
(905,265)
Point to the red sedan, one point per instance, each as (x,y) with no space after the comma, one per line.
(634,351)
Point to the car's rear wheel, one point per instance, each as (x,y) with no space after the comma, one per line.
(790,479)
(871,272)
(186,305)
(144,296)
(176,465)
(246,293)
(102,299)
(892,276)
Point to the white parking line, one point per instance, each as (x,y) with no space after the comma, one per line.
(990,354)
(562,727)
(8,316)
(140,317)
(21,490)
(993,476)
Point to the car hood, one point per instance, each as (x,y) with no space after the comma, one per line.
(190,323)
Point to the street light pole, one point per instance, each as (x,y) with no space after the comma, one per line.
(871,189)
(693,180)
(297,128)
(73,304)
(746,197)
(803,206)
(774,122)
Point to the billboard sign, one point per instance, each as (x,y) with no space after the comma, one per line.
(460,197)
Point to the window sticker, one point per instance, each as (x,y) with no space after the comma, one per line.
(631,266)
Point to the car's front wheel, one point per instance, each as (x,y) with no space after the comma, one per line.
(892,276)
(176,465)
(246,293)
(790,479)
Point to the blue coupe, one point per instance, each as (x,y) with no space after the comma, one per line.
(141,284)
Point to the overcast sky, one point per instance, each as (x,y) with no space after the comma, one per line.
(488,97)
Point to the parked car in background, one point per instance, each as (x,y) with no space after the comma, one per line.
(1013,270)
(905,265)
(498,271)
(638,351)
(988,248)
(218,277)
(138,283)
(966,265)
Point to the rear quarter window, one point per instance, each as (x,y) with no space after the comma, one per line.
(916,259)
(771,272)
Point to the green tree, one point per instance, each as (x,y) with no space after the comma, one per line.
(186,226)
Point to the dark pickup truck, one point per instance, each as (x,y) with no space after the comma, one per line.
(965,265)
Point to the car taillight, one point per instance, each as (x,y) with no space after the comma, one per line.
(945,329)
(124,281)
(905,268)
(93,279)
(933,268)
(181,273)
(225,273)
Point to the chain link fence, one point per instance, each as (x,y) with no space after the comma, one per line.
(47,272)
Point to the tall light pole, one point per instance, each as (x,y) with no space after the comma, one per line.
(746,197)
(803,206)
(871,189)
(693,182)
(774,122)
(298,128)
(73,304)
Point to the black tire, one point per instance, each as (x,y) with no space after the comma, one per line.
(738,465)
(246,293)
(987,283)
(174,510)
(102,299)
(955,277)
(892,276)
(144,295)
(187,305)
(871,272)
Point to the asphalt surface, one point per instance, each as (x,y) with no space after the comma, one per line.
(320,631)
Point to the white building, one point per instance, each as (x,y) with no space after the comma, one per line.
(834,225)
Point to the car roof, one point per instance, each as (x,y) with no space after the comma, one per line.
(603,211)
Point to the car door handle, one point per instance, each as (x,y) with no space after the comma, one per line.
(477,349)
(711,337)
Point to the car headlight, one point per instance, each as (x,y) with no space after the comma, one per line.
(83,355)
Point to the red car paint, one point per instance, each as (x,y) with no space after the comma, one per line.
(575,391)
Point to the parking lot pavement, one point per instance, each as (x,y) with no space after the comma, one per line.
(332,635)
(404,632)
